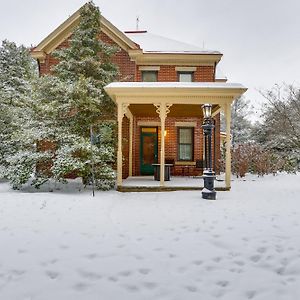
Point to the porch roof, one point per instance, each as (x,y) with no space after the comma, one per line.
(174,92)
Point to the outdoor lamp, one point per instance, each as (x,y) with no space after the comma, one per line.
(165,133)
(206,111)
(208,175)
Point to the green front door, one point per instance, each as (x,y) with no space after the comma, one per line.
(148,150)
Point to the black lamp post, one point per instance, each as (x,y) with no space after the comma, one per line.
(208,175)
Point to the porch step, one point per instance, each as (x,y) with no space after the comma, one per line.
(133,189)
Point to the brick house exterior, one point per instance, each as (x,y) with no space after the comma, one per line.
(134,118)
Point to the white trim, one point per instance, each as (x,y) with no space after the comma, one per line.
(185,124)
(185,69)
(149,68)
(148,123)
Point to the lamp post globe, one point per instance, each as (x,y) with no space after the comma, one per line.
(208,191)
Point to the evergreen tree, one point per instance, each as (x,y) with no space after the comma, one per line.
(240,124)
(17,70)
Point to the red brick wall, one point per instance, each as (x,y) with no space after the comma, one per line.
(129,71)
(121,59)
(169,74)
(170,142)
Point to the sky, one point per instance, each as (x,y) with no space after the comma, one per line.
(260,39)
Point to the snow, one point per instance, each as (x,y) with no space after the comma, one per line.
(150,42)
(219,74)
(179,85)
(175,245)
(176,181)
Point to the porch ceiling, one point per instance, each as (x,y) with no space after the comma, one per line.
(177,110)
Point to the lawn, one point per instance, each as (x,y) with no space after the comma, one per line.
(65,244)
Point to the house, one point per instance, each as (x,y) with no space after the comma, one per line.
(163,85)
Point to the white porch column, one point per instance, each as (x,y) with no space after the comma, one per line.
(130,117)
(122,108)
(228,146)
(162,109)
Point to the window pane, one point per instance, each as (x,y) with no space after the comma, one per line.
(185,136)
(149,76)
(185,77)
(185,152)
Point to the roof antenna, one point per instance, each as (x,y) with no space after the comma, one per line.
(203,45)
(137,23)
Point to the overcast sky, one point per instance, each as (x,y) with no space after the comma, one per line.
(260,39)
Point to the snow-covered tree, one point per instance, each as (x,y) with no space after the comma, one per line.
(240,124)
(17,70)
(66,105)
(280,127)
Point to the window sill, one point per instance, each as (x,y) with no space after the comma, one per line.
(185,163)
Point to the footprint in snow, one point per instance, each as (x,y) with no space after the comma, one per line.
(149,285)
(191,288)
(197,262)
(52,274)
(255,258)
(144,271)
(250,294)
(222,283)
(132,288)
(217,259)
(80,286)
(113,278)
(261,249)
(91,256)
(89,275)
(125,273)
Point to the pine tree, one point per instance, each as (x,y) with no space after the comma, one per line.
(70,101)
(240,124)
(17,70)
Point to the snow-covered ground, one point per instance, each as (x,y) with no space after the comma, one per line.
(162,246)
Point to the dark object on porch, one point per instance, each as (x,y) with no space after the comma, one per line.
(170,161)
(199,166)
(157,171)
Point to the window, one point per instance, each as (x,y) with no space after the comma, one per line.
(185,143)
(185,76)
(149,76)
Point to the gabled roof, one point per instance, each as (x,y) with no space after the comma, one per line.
(143,48)
(62,32)
(152,43)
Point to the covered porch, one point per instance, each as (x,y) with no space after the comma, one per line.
(161,110)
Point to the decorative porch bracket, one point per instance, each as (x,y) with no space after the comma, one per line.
(122,109)
(162,109)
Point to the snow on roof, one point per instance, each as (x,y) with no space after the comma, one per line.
(191,85)
(152,43)
(220,74)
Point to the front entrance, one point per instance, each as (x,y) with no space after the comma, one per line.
(148,150)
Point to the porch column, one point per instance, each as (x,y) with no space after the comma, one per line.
(228,145)
(130,141)
(162,109)
(122,108)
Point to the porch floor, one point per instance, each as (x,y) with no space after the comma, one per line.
(177,183)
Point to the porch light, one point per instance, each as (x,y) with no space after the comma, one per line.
(165,133)
(206,111)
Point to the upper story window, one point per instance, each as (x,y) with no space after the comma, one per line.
(185,76)
(149,76)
